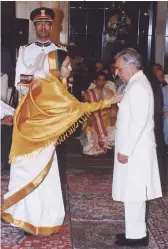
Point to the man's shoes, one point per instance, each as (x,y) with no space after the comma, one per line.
(132,242)
(120,236)
(27,234)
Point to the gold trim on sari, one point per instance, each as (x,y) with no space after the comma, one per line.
(53,64)
(47,114)
(23,192)
(30,228)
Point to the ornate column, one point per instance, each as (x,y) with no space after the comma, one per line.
(64,35)
(55,6)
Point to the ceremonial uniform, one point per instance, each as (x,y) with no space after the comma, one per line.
(33,60)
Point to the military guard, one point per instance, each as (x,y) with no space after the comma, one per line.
(32,60)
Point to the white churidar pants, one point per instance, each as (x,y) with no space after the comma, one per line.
(135,225)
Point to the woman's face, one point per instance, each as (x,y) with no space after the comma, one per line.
(66,67)
(100,82)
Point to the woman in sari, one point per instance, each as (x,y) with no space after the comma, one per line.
(98,133)
(45,116)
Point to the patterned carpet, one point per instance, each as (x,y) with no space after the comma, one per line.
(96,218)
(93,218)
(14,238)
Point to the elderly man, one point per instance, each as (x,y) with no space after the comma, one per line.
(136,175)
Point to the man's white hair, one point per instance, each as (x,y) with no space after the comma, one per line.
(130,56)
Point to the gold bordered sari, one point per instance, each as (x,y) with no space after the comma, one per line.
(46,115)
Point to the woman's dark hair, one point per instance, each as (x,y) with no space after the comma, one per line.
(101,73)
(61,57)
(72,49)
(78,65)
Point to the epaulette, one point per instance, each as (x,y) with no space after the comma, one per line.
(61,47)
(27,45)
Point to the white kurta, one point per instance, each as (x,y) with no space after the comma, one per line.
(139,179)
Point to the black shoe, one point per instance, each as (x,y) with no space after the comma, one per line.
(133,242)
(27,234)
(120,236)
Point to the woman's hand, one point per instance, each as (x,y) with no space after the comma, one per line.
(116,99)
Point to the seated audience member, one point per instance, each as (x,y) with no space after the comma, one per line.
(6,114)
(109,84)
(98,66)
(165,118)
(158,71)
(98,133)
(106,71)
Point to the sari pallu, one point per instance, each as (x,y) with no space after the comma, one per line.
(46,115)
(99,131)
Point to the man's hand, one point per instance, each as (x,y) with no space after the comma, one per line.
(7,120)
(122,158)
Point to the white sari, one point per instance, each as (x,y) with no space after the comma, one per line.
(41,211)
